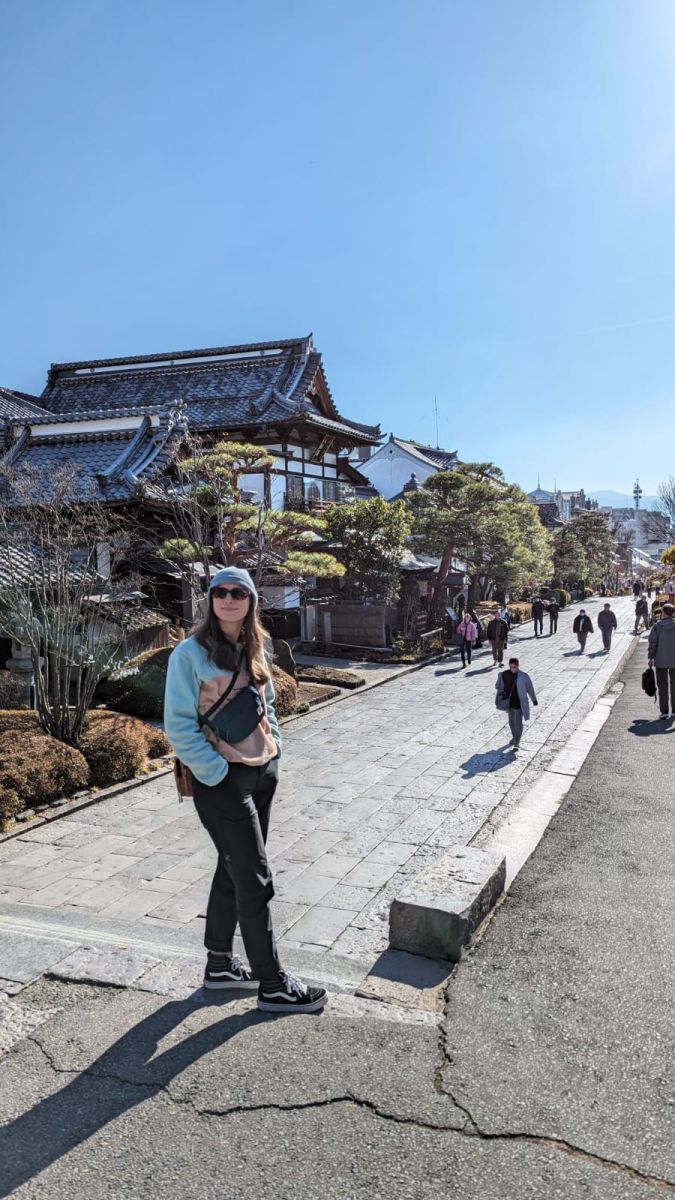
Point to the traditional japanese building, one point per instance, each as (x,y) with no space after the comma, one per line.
(120,424)
(121,421)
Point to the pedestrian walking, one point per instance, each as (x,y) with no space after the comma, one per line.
(649,590)
(538,615)
(607,625)
(553,613)
(661,651)
(641,613)
(669,587)
(582,627)
(220,719)
(514,692)
(480,630)
(497,634)
(637,588)
(467,634)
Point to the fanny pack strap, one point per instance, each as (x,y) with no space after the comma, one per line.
(204,718)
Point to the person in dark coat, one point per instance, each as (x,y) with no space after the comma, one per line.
(607,625)
(497,634)
(538,615)
(582,627)
(553,611)
(662,657)
(516,686)
(641,614)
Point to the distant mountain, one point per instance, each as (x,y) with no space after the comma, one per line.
(622,500)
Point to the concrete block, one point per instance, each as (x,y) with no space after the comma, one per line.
(442,906)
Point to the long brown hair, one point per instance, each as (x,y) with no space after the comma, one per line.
(225,654)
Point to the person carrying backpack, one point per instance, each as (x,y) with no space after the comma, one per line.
(219,717)
(553,612)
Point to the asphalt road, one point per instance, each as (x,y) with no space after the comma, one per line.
(548,1081)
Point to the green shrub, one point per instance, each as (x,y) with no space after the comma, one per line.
(332,676)
(137,688)
(11,691)
(302,708)
(35,769)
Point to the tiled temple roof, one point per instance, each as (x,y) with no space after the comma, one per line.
(17,406)
(107,465)
(224,388)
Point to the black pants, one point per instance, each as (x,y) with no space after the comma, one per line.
(663,676)
(236,814)
(553,624)
(538,625)
(465,648)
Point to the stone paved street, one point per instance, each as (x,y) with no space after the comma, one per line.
(370,787)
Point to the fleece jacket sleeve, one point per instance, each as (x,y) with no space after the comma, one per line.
(180,721)
(270,702)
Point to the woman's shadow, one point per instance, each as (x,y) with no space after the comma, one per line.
(125,1075)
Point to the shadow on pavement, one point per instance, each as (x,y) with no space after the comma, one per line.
(481,670)
(124,1076)
(483,764)
(643,728)
(449,671)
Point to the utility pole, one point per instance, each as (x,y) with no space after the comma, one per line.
(436,411)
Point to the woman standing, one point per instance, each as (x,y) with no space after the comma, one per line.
(220,719)
(467,634)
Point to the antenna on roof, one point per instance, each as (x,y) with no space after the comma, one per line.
(436,411)
(637,493)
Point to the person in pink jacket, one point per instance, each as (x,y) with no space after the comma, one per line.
(467,634)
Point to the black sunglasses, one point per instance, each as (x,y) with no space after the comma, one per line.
(221,593)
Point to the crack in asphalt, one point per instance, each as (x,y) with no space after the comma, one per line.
(473,1129)
(468,1128)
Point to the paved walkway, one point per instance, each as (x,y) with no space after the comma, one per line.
(370,787)
(549,1081)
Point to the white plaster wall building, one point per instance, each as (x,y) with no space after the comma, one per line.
(390,467)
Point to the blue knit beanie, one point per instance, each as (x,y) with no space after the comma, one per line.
(235,577)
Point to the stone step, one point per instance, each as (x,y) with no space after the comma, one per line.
(438,912)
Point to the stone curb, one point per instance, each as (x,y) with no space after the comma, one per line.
(68,807)
(437,914)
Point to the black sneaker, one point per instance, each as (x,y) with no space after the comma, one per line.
(227,971)
(291,996)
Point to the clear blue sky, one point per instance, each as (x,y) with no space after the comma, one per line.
(467,198)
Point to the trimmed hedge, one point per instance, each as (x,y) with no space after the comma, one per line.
(520,612)
(11,691)
(332,676)
(114,748)
(35,769)
(286,692)
(137,689)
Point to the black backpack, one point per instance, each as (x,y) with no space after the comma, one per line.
(649,681)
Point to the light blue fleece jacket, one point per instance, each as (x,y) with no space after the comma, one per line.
(189,667)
